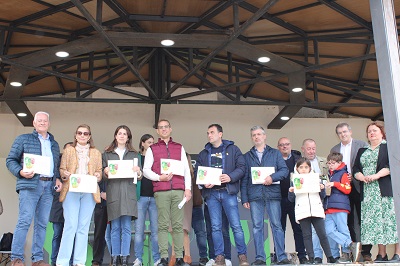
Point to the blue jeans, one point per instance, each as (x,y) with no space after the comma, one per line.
(218,200)
(108,237)
(146,205)
(273,207)
(121,234)
(199,228)
(316,244)
(33,204)
(287,209)
(55,244)
(225,234)
(336,229)
(78,209)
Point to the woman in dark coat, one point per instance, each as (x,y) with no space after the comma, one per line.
(121,195)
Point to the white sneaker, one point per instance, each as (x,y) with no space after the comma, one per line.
(137,262)
(228,262)
(210,262)
(155,263)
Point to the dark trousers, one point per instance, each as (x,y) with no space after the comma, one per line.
(287,209)
(354,221)
(319,225)
(100,225)
(199,228)
(225,234)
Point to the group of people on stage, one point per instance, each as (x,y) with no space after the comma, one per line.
(352,203)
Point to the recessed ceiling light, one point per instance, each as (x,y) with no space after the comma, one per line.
(16,84)
(297,89)
(62,54)
(264,59)
(285,118)
(167,42)
(21,114)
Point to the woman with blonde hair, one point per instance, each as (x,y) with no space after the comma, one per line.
(80,158)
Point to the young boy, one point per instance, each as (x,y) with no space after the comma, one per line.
(337,208)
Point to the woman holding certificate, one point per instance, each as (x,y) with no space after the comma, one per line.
(80,170)
(371,167)
(120,163)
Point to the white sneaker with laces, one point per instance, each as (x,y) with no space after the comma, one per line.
(137,262)
(157,262)
(210,262)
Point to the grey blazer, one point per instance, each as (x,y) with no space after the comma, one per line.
(355,146)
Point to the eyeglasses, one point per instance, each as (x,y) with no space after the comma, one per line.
(283,144)
(163,127)
(82,133)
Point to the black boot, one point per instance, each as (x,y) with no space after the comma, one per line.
(114,260)
(124,260)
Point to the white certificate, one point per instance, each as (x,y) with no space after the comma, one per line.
(36,163)
(82,183)
(208,175)
(306,183)
(121,169)
(258,175)
(172,166)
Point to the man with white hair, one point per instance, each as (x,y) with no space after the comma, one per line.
(35,190)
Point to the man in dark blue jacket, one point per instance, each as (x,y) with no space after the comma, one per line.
(258,197)
(223,154)
(35,190)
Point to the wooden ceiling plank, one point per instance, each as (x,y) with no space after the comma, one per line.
(115,48)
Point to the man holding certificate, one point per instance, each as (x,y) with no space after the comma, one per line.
(260,190)
(167,166)
(224,162)
(34,185)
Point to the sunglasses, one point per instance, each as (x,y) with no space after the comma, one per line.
(82,133)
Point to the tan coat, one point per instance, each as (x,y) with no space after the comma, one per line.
(69,162)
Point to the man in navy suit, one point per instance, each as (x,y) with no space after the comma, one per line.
(348,147)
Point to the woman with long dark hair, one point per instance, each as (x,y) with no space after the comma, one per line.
(121,196)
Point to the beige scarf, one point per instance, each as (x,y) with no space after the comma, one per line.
(83,158)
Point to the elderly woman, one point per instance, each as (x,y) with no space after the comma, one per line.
(121,196)
(378,220)
(80,158)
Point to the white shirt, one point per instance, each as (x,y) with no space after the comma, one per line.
(148,163)
(345,150)
(315,165)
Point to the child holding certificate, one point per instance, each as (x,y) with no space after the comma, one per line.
(309,210)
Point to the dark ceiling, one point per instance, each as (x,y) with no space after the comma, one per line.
(325,47)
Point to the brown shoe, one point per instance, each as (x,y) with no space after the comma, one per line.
(219,261)
(243,260)
(17,262)
(367,258)
(40,263)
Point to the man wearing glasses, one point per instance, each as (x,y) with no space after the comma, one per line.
(169,190)
(35,190)
(287,208)
(348,147)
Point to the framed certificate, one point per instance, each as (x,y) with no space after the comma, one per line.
(306,183)
(258,174)
(208,175)
(121,169)
(36,163)
(172,166)
(82,183)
